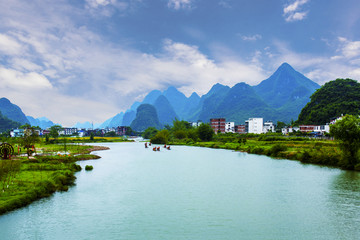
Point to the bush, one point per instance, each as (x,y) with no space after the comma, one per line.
(89,167)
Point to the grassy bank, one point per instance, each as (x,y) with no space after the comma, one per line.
(24,180)
(322,152)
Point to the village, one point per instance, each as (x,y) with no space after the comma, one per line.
(219,125)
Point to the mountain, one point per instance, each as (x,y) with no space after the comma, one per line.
(117,120)
(129,116)
(42,122)
(12,111)
(164,110)
(341,96)
(146,116)
(284,86)
(177,100)
(106,123)
(209,102)
(241,103)
(152,97)
(190,106)
(7,124)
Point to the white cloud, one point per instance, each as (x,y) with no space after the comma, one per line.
(251,37)
(9,45)
(18,80)
(292,12)
(180,4)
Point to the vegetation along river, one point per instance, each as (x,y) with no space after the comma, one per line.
(194,193)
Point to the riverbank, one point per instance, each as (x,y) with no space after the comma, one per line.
(305,150)
(23,180)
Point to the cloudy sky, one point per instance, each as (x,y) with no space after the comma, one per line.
(87,60)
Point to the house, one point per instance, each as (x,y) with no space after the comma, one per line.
(322,129)
(69,131)
(307,128)
(269,127)
(196,124)
(230,127)
(218,124)
(240,129)
(121,130)
(254,125)
(17,133)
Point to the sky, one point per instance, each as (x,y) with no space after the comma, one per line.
(87,60)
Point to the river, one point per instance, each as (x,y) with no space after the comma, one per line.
(194,193)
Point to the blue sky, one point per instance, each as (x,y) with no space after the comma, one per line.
(87,60)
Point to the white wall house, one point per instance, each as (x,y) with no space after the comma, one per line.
(196,124)
(269,127)
(322,129)
(288,130)
(230,127)
(254,125)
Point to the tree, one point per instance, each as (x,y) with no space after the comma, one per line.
(149,132)
(162,137)
(29,139)
(347,132)
(205,132)
(54,131)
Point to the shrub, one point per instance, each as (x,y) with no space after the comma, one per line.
(89,167)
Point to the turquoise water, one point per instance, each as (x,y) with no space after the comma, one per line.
(194,193)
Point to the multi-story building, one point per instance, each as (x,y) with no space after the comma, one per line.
(121,130)
(218,124)
(254,125)
(230,127)
(240,128)
(269,127)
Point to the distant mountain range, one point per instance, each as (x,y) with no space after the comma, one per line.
(14,113)
(278,98)
(281,97)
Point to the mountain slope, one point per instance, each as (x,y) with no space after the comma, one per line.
(164,110)
(7,124)
(12,111)
(341,96)
(177,100)
(129,116)
(284,86)
(117,120)
(146,116)
(240,103)
(43,122)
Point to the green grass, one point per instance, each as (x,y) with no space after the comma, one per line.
(322,152)
(24,180)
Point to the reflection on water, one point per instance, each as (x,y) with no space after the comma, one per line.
(194,193)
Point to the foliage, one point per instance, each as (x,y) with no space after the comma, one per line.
(110,134)
(334,98)
(149,132)
(29,139)
(205,132)
(54,131)
(347,132)
(161,137)
(91,136)
(89,167)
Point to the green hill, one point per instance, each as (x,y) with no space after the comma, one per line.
(7,124)
(341,96)
(146,116)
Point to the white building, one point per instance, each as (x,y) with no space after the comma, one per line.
(288,130)
(196,124)
(322,129)
(254,125)
(230,127)
(269,127)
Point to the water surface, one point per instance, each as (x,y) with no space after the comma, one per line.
(194,193)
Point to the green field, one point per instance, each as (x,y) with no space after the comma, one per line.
(24,180)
